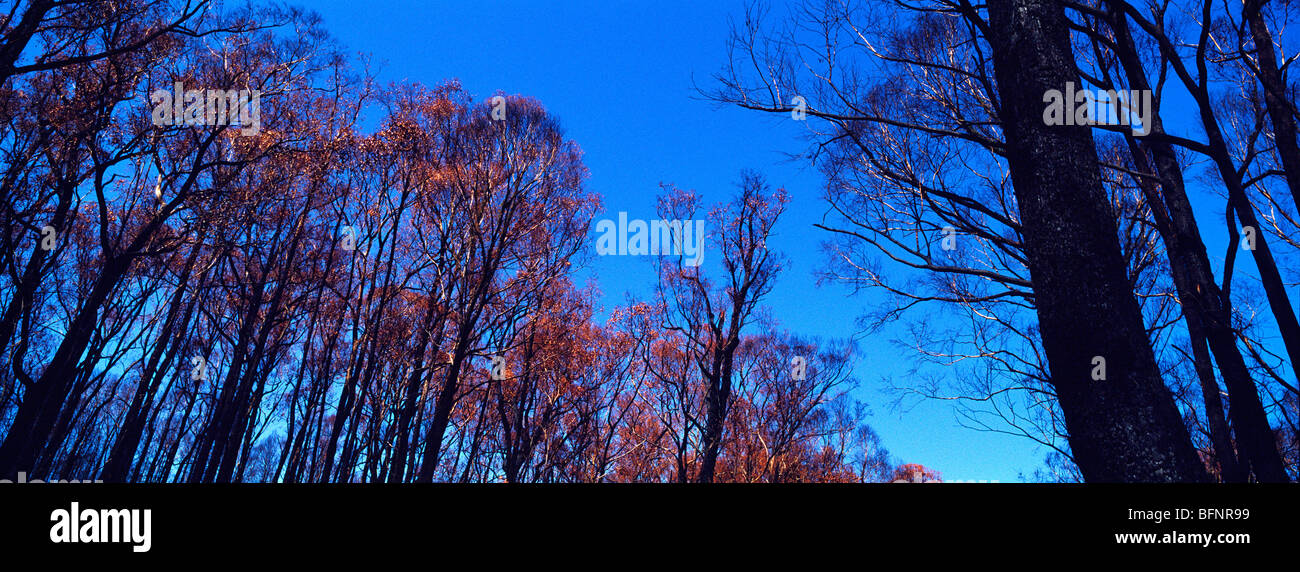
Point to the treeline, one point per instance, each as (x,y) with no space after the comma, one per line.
(352,282)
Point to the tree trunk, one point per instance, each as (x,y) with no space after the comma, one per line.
(1124,427)
(128,438)
(1207,311)
(1281,110)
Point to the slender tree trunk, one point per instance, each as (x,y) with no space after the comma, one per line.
(128,439)
(1281,109)
(1254,435)
(442,408)
(24,291)
(43,401)
(411,395)
(716,400)
(17,38)
(1207,311)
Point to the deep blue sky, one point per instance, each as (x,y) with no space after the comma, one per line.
(619,76)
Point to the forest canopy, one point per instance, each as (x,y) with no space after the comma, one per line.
(232,254)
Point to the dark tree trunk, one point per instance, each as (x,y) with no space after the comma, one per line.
(128,438)
(43,401)
(412,394)
(717,399)
(1254,435)
(1281,109)
(1207,311)
(442,407)
(17,38)
(1123,428)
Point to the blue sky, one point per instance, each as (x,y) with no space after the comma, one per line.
(620,75)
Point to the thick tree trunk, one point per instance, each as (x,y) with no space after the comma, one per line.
(1124,427)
